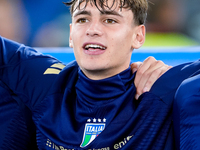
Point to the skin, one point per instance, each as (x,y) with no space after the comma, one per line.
(111,30)
(115,30)
(147,74)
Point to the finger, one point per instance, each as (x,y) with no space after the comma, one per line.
(156,69)
(141,70)
(135,66)
(154,76)
(148,80)
(144,78)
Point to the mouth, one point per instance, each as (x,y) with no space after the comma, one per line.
(94,47)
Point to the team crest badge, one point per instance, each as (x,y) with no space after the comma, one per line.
(92,129)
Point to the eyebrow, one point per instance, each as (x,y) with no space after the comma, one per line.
(104,12)
(82,12)
(111,12)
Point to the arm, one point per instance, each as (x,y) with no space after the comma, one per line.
(22,71)
(186,114)
(147,73)
(15,118)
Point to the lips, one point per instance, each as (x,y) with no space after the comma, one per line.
(94,46)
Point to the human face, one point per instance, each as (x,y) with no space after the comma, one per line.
(103,42)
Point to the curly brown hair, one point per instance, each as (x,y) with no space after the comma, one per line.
(138,7)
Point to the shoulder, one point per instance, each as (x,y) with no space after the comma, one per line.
(188,87)
(12,53)
(187,96)
(167,85)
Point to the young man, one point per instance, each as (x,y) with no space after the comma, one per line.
(90,103)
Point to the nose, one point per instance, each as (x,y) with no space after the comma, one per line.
(94,29)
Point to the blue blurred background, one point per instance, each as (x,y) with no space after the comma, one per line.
(173,27)
(169,55)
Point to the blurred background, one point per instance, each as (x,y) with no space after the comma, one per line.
(45,23)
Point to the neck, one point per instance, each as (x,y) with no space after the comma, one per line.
(102,74)
(105,89)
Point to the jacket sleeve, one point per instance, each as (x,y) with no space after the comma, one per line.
(186,114)
(26,72)
(17,128)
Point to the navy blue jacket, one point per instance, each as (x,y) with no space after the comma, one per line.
(186,113)
(71,112)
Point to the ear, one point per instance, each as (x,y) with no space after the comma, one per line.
(70,38)
(138,37)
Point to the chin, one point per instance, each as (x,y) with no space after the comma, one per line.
(93,65)
(93,68)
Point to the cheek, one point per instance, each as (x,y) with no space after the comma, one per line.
(126,42)
(119,42)
(76,31)
(76,39)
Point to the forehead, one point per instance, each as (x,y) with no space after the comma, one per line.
(101,5)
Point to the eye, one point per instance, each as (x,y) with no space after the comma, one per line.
(110,21)
(82,20)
